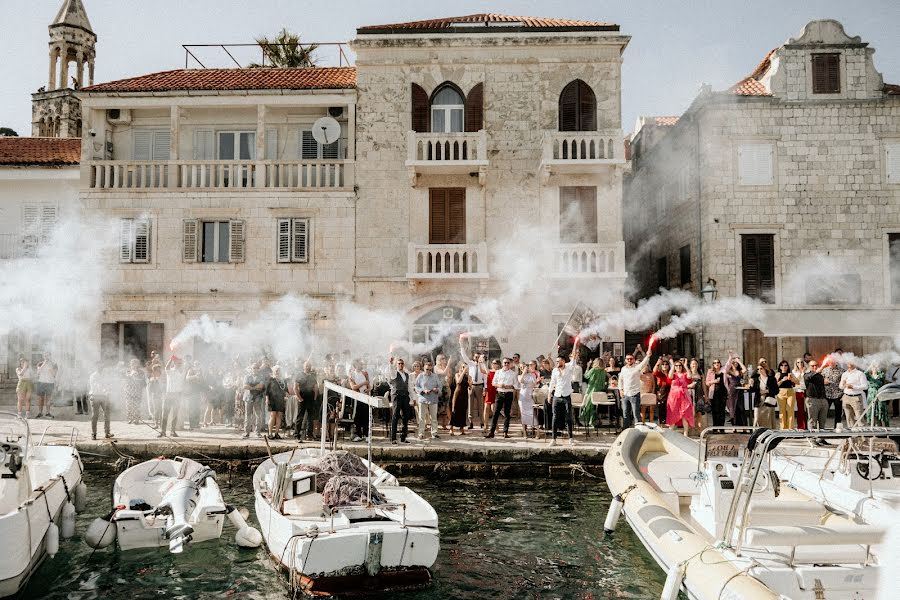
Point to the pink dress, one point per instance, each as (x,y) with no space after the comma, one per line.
(679,408)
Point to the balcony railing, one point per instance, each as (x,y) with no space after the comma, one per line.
(443,153)
(221,174)
(447,261)
(581,151)
(589,260)
(12,245)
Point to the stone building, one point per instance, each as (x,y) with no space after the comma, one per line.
(478,157)
(784,188)
(56,111)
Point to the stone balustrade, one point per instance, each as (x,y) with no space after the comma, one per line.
(588,260)
(447,261)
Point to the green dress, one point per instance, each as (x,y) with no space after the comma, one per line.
(596,382)
(881,415)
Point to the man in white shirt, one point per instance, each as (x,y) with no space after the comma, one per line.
(630,386)
(100,384)
(506,382)
(477,377)
(561,391)
(46,381)
(175,384)
(855,386)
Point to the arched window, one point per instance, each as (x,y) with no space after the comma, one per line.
(447,109)
(577,107)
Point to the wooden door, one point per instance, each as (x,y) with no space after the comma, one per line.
(757,346)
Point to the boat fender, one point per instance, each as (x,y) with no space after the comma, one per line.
(615,510)
(246,536)
(673,581)
(67,527)
(51,544)
(101,532)
(80,496)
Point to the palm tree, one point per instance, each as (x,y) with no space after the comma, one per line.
(285,50)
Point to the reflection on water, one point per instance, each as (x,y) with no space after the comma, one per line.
(499,539)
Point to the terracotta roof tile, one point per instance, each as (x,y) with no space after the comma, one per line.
(891,89)
(486,19)
(666,121)
(750,85)
(255,78)
(51,152)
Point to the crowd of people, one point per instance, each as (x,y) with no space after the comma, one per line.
(453,394)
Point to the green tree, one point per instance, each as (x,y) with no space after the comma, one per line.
(7,132)
(285,50)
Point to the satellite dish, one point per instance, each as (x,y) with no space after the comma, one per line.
(326,130)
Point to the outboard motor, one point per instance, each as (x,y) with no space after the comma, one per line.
(178,503)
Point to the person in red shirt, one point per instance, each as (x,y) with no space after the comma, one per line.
(490,395)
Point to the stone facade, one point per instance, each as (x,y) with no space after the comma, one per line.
(825,194)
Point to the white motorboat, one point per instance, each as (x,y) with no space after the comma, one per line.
(338,523)
(40,489)
(723,525)
(167,502)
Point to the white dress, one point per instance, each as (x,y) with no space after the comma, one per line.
(526,398)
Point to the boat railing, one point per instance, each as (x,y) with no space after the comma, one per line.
(401,505)
(26,450)
(73,433)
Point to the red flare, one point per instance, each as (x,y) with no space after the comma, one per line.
(651,341)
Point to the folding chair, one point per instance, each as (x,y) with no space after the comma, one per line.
(607,400)
(577,405)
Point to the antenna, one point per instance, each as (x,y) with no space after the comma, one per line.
(326,130)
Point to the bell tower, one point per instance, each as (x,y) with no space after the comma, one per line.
(55,110)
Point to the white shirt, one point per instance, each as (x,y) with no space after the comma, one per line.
(475,374)
(561,380)
(46,373)
(630,377)
(505,377)
(175,381)
(577,373)
(856,383)
(360,379)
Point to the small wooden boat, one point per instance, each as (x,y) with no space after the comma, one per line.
(723,525)
(167,502)
(40,490)
(358,532)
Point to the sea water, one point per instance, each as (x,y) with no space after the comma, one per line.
(500,538)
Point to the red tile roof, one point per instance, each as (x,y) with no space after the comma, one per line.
(891,89)
(252,78)
(486,19)
(665,121)
(750,85)
(50,152)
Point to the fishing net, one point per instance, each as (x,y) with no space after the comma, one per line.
(333,464)
(348,491)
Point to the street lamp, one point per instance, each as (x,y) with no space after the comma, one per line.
(709,293)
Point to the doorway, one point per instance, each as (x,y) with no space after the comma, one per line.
(124,340)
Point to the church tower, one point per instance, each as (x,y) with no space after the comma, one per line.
(55,111)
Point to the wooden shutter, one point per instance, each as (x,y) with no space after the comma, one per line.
(758,265)
(568,108)
(143,144)
(892,162)
(141,252)
(190,240)
(826,73)
(456,216)
(587,108)
(309,147)
(894,263)
(577,107)
(204,145)
(109,342)
(236,245)
(283,241)
(30,228)
(419,108)
(475,108)
(755,164)
(126,240)
(161,141)
(438,232)
(48,222)
(271,144)
(155,338)
(300,240)
(332,150)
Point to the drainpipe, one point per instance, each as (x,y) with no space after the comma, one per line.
(699,190)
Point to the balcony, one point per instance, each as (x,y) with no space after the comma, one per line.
(589,260)
(580,151)
(221,174)
(428,262)
(446,153)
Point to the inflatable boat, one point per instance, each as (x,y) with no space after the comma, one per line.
(40,491)
(721,523)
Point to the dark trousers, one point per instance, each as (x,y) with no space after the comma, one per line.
(81,404)
(309,409)
(361,419)
(171,405)
(99,403)
(562,414)
(504,403)
(403,410)
(719,410)
(838,405)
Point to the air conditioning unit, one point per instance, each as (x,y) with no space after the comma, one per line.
(118,115)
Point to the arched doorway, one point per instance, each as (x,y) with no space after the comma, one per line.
(442,326)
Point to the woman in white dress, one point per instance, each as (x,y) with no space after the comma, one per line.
(528,380)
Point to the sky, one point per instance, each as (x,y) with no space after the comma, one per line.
(676,46)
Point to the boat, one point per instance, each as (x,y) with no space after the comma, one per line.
(723,525)
(41,489)
(167,503)
(338,524)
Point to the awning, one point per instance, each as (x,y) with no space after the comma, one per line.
(813,322)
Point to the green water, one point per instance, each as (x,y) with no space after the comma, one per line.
(499,539)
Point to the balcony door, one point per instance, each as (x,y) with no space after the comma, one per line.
(447,110)
(447,216)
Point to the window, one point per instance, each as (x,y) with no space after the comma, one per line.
(237,145)
(892,161)
(662,272)
(134,240)
(838,288)
(38,223)
(755,164)
(577,107)
(684,262)
(151,144)
(826,73)
(447,110)
(447,216)
(213,241)
(894,263)
(293,240)
(758,266)
(578,215)
(312,150)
